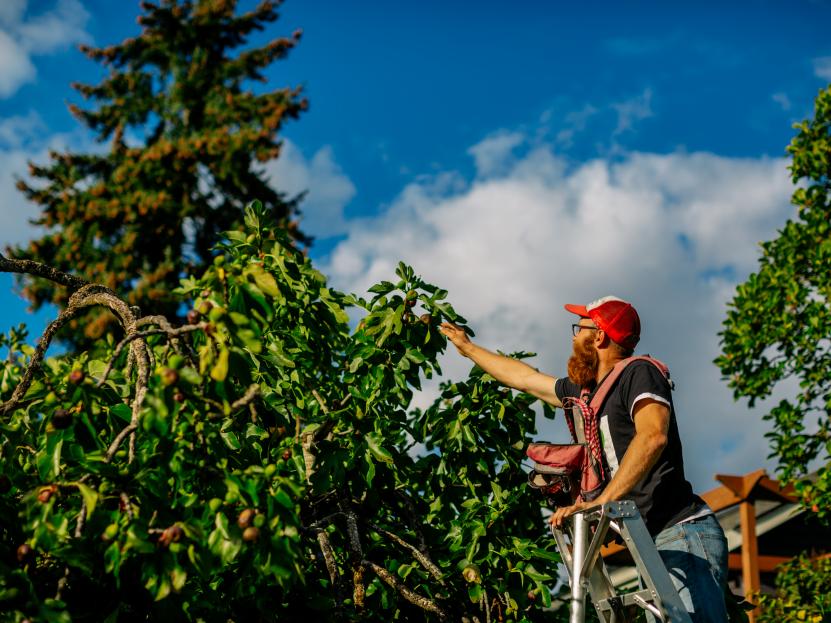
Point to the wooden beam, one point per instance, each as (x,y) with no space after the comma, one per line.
(750,554)
(742,485)
(767,564)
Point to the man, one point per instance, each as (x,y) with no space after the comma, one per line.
(640,441)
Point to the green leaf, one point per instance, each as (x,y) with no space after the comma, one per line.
(90,497)
(380,453)
(220,369)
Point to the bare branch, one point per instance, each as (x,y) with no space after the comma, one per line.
(414,598)
(250,394)
(328,556)
(359,591)
(36,269)
(419,556)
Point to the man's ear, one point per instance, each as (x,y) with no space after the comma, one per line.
(601,339)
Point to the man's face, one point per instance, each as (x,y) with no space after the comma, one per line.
(583,363)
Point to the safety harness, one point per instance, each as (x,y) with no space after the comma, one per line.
(562,472)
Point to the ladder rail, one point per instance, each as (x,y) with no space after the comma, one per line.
(588,573)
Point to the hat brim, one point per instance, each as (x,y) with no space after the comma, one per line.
(580,310)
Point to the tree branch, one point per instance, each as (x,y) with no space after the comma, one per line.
(419,556)
(36,269)
(414,598)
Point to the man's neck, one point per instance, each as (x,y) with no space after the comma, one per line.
(605,366)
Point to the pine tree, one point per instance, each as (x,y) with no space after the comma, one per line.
(186,135)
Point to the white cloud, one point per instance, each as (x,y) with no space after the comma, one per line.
(329,189)
(23,36)
(494,152)
(24,139)
(822,67)
(783,100)
(632,110)
(670,232)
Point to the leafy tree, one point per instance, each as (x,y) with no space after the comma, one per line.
(185,136)
(778,326)
(260,463)
(803,593)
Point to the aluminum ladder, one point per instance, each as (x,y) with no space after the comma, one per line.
(580,549)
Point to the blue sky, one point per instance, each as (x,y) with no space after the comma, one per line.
(521,157)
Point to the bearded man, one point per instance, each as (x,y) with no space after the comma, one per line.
(640,441)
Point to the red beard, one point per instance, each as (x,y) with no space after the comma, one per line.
(583,364)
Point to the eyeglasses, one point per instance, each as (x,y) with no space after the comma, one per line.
(576,328)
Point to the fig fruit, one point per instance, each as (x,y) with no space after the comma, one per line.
(205,307)
(193,316)
(250,534)
(246,517)
(170,377)
(179,397)
(286,455)
(471,574)
(173,534)
(61,419)
(25,554)
(76,377)
(46,493)
(426,318)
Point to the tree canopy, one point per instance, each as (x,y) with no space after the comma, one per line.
(262,462)
(778,326)
(186,137)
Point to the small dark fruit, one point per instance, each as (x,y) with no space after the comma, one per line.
(25,554)
(5,484)
(179,397)
(532,595)
(193,316)
(205,294)
(76,377)
(205,307)
(170,377)
(426,318)
(173,534)
(61,419)
(281,431)
(46,493)
(246,517)
(250,534)
(286,455)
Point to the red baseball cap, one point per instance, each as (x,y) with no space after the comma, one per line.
(616,317)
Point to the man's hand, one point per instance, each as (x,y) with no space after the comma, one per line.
(458,336)
(559,517)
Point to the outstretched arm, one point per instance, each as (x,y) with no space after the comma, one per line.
(508,371)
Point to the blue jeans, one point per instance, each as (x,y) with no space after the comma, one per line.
(695,555)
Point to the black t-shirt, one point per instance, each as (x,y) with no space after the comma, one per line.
(663,496)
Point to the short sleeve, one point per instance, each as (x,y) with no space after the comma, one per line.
(565,388)
(641,381)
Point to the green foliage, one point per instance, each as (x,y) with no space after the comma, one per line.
(324,497)
(778,326)
(186,139)
(803,593)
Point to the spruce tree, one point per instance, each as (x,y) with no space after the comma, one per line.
(186,135)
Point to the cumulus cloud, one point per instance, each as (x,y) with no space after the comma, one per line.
(822,67)
(23,139)
(328,188)
(494,153)
(23,36)
(670,232)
